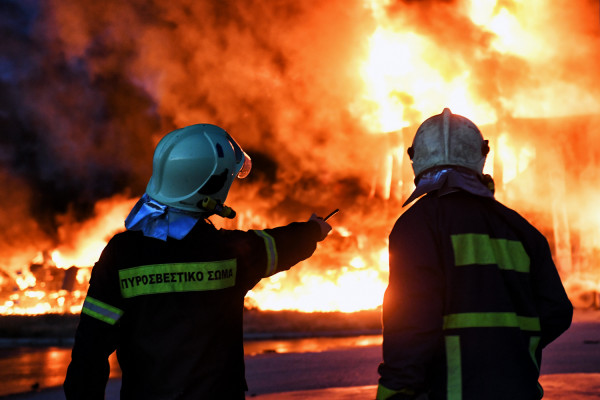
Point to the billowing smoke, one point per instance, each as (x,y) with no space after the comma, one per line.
(88,88)
(69,137)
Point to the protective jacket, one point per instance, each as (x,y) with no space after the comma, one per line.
(173,310)
(473,298)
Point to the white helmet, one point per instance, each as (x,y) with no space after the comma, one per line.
(195,163)
(448,139)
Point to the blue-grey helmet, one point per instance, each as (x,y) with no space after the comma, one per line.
(193,163)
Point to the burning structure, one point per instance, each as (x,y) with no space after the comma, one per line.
(325,97)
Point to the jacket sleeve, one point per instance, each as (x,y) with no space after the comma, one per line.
(266,252)
(553,305)
(412,309)
(95,338)
(292,243)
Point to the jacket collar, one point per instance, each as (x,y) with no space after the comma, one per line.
(446,180)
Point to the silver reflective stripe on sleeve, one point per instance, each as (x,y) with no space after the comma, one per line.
(271,252)
(102,311)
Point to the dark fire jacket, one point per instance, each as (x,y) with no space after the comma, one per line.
(473,298)
(173,310)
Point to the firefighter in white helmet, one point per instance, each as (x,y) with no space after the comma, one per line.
(473,294)
(168,293)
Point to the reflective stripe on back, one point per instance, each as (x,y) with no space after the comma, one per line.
(491,320)
(534,342)
(454,368)
(179,277)
(101,311)
(471,248)
(384,393)
(270,246)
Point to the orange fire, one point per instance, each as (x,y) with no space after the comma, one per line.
(519,69)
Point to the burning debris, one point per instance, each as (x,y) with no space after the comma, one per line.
(43,288)
(326,94)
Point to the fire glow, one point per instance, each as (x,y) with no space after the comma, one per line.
(340,95)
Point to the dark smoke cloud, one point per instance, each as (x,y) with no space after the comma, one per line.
(67,134)
(69,137)
(88,88)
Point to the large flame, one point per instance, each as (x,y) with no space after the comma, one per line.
(326,99)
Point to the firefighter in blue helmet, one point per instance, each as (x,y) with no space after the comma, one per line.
(168,293)
(473,294)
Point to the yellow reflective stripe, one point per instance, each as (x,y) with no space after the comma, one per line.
(534,342)
(178,277)
(491,320)
(271,247)
(385,393)
(480,249)
(100,310)
(453,368)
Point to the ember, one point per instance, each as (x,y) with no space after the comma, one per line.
(325,96)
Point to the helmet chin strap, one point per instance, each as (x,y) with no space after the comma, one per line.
(217,208)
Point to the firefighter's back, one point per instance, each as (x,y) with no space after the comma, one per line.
(492,260)
(181,343)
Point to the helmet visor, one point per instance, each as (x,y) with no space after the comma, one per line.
(241,156)
(246,167)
